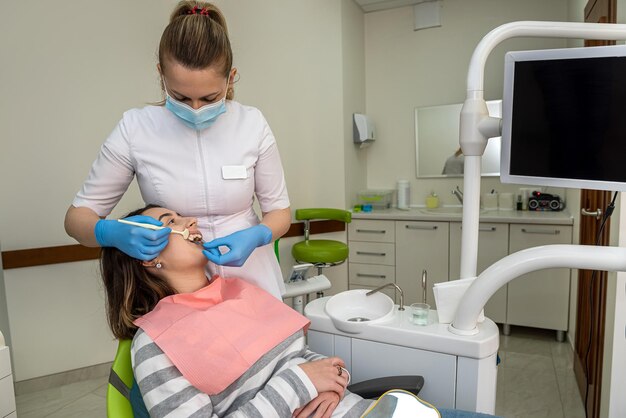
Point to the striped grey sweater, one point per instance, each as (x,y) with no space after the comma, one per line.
(273,387)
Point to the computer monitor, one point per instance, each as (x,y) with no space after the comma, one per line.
(564,118)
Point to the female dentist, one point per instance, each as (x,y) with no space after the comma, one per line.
(201,154)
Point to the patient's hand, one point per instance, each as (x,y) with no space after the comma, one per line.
(324,375)
(323,406)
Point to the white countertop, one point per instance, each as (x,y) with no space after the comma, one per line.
(497,216)
(399,331)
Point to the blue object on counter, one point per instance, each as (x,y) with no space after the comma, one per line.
(366,208)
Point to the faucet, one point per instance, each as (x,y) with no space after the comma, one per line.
(458,193)
(379,288)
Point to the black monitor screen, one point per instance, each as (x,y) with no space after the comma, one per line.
(568,119)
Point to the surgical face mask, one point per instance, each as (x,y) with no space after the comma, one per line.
(197,119)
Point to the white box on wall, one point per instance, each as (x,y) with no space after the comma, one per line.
(427,14)
(364,130)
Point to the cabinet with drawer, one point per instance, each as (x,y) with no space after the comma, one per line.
(421,246)
(372,255)
(493,244)
(539,299)
(397,251)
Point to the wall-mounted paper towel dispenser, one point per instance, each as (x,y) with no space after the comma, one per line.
(364,130)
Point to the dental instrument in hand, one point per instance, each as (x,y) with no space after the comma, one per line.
(184,233)
(145,246)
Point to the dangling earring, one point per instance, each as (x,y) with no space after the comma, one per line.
(158,265)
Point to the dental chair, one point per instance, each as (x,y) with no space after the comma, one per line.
(320,252)
(124,399)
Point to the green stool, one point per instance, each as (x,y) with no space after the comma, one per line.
(320,252)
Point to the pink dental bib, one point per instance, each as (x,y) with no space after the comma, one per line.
(216,333)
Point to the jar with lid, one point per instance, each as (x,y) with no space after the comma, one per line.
(404,194)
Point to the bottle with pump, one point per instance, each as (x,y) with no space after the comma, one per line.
(432,201)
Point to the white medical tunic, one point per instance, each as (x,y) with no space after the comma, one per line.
(182,169)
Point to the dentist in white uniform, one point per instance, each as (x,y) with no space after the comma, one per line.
(201,154)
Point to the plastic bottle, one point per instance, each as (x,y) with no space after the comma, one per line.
(404,194)
(432,201)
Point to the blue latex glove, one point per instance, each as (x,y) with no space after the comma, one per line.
(240,245)
(141,243)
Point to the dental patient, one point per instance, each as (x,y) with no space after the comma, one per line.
(214,347)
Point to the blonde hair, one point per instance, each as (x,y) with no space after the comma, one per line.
(197,38)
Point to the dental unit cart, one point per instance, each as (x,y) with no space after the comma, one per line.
(459,372)
(458,360)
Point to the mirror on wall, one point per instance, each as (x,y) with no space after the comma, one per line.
(437,142)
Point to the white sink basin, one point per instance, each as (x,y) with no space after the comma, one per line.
(352,310)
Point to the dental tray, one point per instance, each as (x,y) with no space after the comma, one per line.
(379,199)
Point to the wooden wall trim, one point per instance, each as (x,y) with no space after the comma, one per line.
(69,253)
(48,255)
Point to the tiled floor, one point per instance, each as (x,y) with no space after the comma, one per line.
(535,377)
(535,380)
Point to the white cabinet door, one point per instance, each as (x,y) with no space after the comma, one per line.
(421,246)
(539,299)
(373,359)
(493,244)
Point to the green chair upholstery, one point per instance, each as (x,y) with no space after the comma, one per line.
(320,252)
(120,383)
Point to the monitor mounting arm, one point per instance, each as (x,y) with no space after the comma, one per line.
(476,126)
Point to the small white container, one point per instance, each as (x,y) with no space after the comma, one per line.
(490,201)
(404,194)
(505,201)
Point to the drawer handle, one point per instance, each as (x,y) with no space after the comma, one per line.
(370,253)
(428,228)
(485,228)
(376,276)
(371,231)
(540,231)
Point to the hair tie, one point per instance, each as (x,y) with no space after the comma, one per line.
(198,11)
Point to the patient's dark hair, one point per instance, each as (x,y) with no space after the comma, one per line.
(132,290)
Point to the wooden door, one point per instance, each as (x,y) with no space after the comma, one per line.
(591,306)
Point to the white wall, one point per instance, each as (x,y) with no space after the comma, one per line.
(289,54)
(353,47)
(69,71)
(408,69)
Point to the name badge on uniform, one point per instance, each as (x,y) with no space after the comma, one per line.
(234,172)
